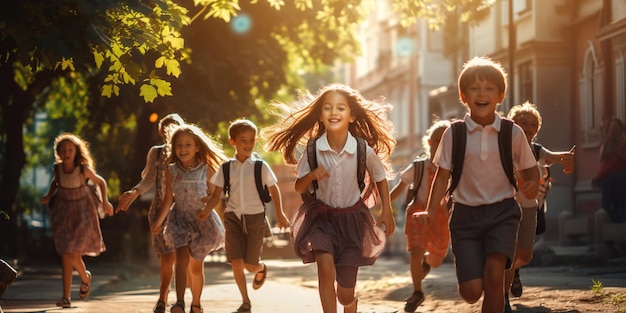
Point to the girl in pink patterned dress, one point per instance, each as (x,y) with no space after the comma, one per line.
(74,214)
(194,159)
(421,238)
(334,227)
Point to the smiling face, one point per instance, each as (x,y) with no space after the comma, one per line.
(244,143)
(66,151)
(336,114)
(529,124)
(482,97)
(186,147)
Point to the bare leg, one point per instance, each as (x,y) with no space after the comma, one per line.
(240,279)
(67,271)
(493,277)
(347,298)
(166,271)
(182,263)
(326,280)
(196,271)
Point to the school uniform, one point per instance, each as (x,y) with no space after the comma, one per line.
(337,220)
(244,214)
(485,215)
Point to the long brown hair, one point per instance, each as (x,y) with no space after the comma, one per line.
(302,122)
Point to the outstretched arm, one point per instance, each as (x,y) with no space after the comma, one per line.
(565,158)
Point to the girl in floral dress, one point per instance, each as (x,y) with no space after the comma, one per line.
(194,159)
(74,214)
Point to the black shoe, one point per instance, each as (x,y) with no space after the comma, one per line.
(507,304)
(516,285)
(414,301)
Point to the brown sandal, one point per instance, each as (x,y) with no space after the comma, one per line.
(193,306)
(64,303)
(257,283)
(85,287)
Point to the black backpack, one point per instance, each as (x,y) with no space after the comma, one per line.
(361,147)
(418,173)
(262,190)
(505,145)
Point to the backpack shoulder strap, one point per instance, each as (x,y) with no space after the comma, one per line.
(361,154)
(261,189)
(459,140)
(311,155)
(226,172)
(505,145)
(418,173)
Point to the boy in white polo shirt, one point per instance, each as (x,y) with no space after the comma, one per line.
(244,214)
(485,215)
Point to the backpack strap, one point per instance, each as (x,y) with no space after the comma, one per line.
(361,155)
(418,173)
(311,155)
(459,140)
(537,150)
(505,145)
(262,190)
(226,172)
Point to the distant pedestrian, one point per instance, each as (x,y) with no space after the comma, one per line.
(418,176)
(244,214)
(485,215)
(347,134)
(153,174)
(611,175)
(74,214)
(529,119)
(194,158)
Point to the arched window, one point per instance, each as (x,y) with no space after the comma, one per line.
(590,89)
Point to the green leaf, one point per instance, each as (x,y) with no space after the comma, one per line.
(148,92)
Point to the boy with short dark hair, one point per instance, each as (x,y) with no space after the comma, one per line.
(485,218)
(244,213)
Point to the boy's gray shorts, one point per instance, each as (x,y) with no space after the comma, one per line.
(482,230)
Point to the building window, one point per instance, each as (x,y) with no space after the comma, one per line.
(590,89)
(526,82)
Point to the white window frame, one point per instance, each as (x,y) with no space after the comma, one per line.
(590,87)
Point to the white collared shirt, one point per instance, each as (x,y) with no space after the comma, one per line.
(341,189)
(483,180)
(244,198)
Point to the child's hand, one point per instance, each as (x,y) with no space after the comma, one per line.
(567,160)
(202,214)
(529,188)
(108,208)
(157,228)
(319,173)
(387,219)
(45,199)
(283,222)
(126,199)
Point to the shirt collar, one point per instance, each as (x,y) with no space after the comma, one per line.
(253,157)
(349,147)
(471,124)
